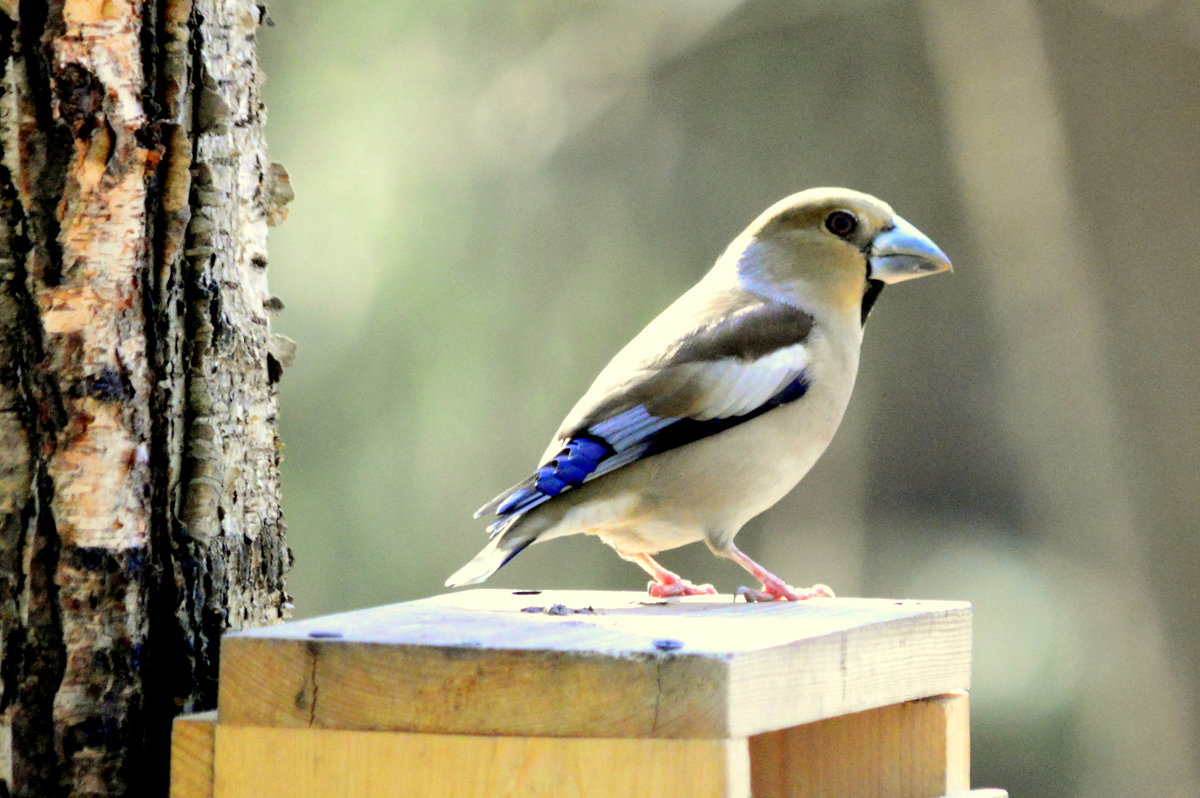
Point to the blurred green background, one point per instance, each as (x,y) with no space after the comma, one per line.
(492,197)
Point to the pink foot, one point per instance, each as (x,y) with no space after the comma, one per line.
(679,587)
(666,584)
(778,591)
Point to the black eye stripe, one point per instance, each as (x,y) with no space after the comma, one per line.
(841,223)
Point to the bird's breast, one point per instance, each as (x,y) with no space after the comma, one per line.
(715,485)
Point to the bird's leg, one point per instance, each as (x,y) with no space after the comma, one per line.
(666,583)
(773,588)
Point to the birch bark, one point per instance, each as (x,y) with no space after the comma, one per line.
(139,493)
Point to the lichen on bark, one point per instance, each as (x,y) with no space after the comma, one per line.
(138,453)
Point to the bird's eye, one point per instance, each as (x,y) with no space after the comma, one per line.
(841,223)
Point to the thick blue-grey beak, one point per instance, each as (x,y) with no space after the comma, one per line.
(904,252)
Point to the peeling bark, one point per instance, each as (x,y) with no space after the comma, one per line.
(139,495)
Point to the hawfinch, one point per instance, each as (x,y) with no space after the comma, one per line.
(715,410)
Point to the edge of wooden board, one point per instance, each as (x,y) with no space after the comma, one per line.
(690,670)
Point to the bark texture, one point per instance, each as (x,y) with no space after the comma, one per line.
(139,494)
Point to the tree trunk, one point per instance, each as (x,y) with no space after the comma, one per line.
(139,484)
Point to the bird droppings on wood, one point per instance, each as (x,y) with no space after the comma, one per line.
(555,609)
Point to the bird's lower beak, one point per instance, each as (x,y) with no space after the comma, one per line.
(904,252)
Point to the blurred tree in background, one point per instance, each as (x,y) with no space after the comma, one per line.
(494,197)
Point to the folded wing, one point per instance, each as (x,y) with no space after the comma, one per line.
(746,360)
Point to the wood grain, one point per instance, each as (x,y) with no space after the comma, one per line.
(610,665)
(192,746)
(918,749)
(257,762)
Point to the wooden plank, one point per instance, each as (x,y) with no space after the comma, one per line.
(847,673)
(610,665)
(918,749)
(259,762)
(192,745)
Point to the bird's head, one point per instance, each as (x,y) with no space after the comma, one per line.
(833,247)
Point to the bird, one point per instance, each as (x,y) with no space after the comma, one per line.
(722,404)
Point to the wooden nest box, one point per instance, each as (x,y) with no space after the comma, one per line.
(566,694)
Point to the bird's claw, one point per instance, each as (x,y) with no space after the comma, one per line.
(681,587)
(782,592)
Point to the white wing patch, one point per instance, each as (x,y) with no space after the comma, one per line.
(734,387)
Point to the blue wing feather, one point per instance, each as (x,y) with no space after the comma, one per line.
(625,438)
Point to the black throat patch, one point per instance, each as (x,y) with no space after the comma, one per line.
(872,292)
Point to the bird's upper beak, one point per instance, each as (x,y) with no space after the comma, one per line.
(904,252)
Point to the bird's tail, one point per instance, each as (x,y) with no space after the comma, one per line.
(504,545)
